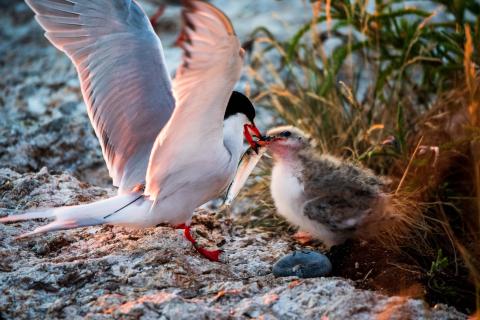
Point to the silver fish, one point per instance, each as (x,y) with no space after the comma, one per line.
(247,163)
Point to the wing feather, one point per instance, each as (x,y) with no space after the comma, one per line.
(211,65)
(124,79)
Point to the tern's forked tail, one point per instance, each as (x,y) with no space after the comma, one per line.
(127,209)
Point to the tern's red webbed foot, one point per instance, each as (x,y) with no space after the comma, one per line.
(212,255)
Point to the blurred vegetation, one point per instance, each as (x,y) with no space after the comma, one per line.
(394,85)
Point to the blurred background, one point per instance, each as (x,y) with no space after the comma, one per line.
(392,85)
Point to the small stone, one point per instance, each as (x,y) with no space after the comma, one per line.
(36,105)
(303,264)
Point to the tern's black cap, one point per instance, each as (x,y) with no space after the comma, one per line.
(239,103)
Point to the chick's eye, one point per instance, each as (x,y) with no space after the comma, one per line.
(285,134)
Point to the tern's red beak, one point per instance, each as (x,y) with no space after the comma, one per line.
(248,129)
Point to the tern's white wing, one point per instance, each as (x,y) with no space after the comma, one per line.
(123,76)
(212,63)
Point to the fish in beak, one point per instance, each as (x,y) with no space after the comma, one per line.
(247,163)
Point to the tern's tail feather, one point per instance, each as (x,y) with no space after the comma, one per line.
(127,209)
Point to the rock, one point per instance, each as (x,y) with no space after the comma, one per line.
(302,264)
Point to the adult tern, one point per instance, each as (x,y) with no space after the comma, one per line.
(170,146)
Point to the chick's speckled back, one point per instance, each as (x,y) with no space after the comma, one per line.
(339,194)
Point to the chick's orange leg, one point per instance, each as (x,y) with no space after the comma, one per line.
(302,237)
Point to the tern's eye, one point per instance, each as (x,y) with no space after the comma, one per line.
(285,134)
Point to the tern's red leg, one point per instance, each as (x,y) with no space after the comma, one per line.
(157,15)
(212,255)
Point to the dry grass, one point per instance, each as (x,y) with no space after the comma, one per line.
(400,95)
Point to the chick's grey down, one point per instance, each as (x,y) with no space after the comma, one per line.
(329,198)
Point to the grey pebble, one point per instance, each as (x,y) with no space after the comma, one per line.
(303,264)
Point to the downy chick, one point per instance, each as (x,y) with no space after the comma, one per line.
(331,199)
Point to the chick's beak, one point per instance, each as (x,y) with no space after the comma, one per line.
(248,129)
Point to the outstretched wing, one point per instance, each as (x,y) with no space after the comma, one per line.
(212,62)
(124,80)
